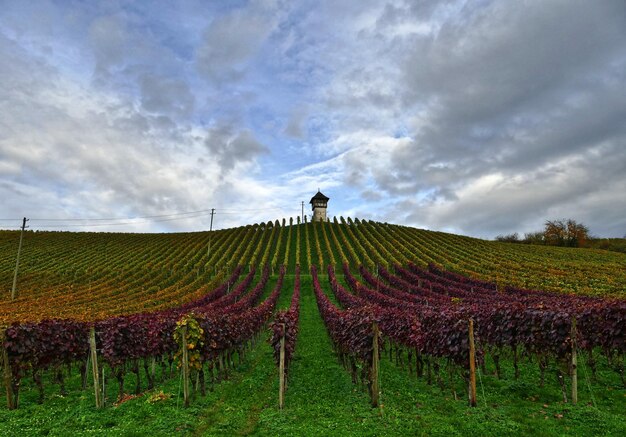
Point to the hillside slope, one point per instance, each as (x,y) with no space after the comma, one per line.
(94,275)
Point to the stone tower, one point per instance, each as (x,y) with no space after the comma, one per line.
(319,204)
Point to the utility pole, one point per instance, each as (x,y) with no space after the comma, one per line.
(303,211)
(17,262)
(208,249)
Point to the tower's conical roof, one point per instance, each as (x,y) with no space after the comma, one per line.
(319,196)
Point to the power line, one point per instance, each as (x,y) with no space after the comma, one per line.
(125,223)
(48,223)
(124,218)
(223,211)
(240,212)
(194,213)
(93,219)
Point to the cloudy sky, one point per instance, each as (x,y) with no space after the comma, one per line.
(474,117)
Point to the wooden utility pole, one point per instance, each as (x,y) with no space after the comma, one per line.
(472,365)
(17,262)
(208,249)
(574,364)
(303,211)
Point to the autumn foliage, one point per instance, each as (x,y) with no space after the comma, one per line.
(567,233)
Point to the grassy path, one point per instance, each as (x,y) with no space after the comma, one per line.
(321,398)
(240,400)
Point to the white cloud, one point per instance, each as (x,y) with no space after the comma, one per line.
(94,154)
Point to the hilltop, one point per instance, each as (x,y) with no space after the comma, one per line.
(94,275)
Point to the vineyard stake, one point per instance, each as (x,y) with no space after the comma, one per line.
(8,378)
(472,365)
(153,367)
(103,388)
(375,363)
(94,366)
(185,367)
(281,371)
(574,364)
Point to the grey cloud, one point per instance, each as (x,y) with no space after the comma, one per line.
(394,15)
(230,146)
(166,95)
(123,50)
(512,58)
(295,123)
(230,41)
(364,86)
(111,43)
(495,88)
(357,169)
(511,61)
(15,83)
(508,54)
(129,58)
(520,202)
(371,196)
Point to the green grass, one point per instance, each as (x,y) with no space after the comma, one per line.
(321,400)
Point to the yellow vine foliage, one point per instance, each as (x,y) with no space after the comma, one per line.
(194,341)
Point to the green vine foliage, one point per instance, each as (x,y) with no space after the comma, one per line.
(194,339)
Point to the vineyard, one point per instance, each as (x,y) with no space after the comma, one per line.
(350,326)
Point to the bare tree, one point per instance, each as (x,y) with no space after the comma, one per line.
(565,233)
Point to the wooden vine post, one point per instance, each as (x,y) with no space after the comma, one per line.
(94,368)
(574,364)
(472,365)
(281,371)
(185,366)
(8,378)
(103,388)
(375,364)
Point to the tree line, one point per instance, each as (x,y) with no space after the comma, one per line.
(566,233)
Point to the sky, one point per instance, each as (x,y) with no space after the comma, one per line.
(474,117)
